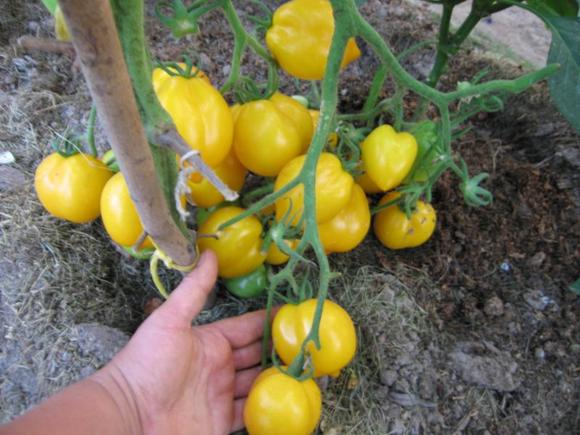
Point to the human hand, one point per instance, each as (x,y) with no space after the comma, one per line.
(175,379)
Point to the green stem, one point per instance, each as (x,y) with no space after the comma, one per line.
(242,39)
(512,86)
(442,48)
(376,87)
(90,134)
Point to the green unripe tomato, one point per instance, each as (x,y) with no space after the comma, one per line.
(248,286)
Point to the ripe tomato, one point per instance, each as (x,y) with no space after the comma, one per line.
(300,38)
(332,139)
(278,404)
(270,133)
(368,185)
(230,171)
(238,247)
(395,231)
(388,156)
(70,187)
(333,189)
(275,256)
(201,115)
(119,214)
(337,335)
(248,286)
(349,227)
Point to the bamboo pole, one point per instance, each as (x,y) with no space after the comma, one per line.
(96,41)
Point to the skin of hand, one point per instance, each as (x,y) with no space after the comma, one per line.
(170,378)
(187,380)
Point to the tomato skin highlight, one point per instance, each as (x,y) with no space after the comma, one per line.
(395,231)
(270,133)
(333,189)
(70,187)
(119,214)
(248,286)
(281,405)
(300,37)
(337,335)
(348,228)
(200,113)
(238,247)
(388,156)
(230,171)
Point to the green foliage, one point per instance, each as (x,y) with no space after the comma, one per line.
(565,84)
(564,8)
(50,5)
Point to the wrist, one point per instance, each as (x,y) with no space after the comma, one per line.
(111,379)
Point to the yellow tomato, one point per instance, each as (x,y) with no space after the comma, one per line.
(333,189)
(281,405)
(70,187)
(349,227)
(300,38)
(275,256)
(119,214)
(332,139)
(396,231)
(337,335)
(270,133)
(368,185)
(388,156)
(230,171)
(200,113)
(238,247)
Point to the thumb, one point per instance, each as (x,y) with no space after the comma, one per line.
(188,299)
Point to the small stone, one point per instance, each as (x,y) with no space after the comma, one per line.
(537,300)
(493,307)
(11,179)
(540,354)
(99,341)
(537,259)
(485,366)
(389,377)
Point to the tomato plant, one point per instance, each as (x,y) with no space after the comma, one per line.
(315,156)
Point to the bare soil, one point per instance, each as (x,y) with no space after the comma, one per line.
(475,332)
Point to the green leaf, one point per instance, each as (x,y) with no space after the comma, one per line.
(565,50)
(50,5)
(564,8)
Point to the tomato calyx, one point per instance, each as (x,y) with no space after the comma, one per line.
(186,69)
(110,161)
(348,149)
(179,18)
(67,145)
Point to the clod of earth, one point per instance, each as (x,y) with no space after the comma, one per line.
(485,365)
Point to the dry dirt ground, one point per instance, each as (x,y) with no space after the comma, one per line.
(475,332)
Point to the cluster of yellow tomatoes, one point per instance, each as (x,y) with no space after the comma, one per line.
(269,138)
